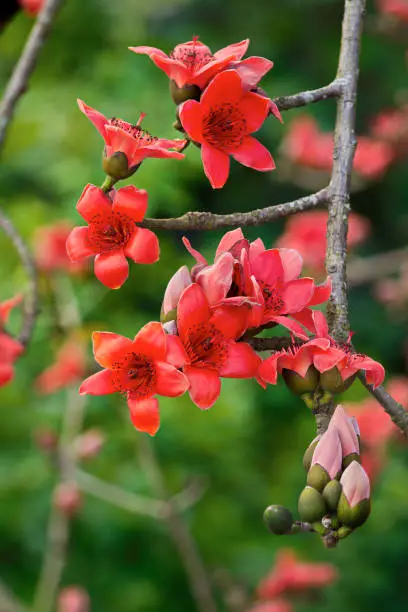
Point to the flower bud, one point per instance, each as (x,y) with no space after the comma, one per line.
(67,498)
(331,494)
(73,599)
(117,166)
(175,287)
(278,519)
(354,504)
(301,384)
(332,382)
(88,444)
(347,434)
(311,505)
(326,460)
(307,457)
(343,532)
(187,92)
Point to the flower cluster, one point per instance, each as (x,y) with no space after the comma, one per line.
(10,349)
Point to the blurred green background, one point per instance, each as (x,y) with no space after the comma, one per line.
(249,445)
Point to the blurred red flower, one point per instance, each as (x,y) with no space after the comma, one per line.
(278,605)
(31,7)
(73,599)
(50,248)
(10,349)
(396,8)
(69,367)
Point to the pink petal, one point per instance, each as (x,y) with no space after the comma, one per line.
(268,267)
(205,386)
(77,244)
(93,201)
(296,294)
(268,370)
(326,360)
(10,349)
(216,165)
(305,318)
(255,109)
(252,69)
(255,248)
(6,373)
(119,140)
(228,241)
(292,263)
(174,69)
(144,414)
(175,352)
(143,247)
(242,361)
(131,202)
(355,483)
(341,423)
(111,269)
(235,51)
(293,326)
(175,287)
(108,347)
(170,381)
(191,117)
(151,341)
(200,259)
(226,87)
(147,51)
(100,383)
(93,115)
(321,325)
(253,154)
(275,111)
(321,293)
(328,453)
(193,309)
(7,306)
(216,280)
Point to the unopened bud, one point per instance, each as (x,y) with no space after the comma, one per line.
(354,505)
(343,532)
(332,382)
(311,505)
(46,439)
(331,494)
(117,166)
(278,519)
(73,599)
(88,444)
(301,384)
(307,457)
(67,498)
(187,92)
(317,477)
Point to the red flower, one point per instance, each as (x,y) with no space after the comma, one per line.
(222,123)
(192,63)
(112,233)
(73,599)
(372,157)
(132,140)
(324,354)
(290,575)
(278,605)
(50,248)
(137,368)
(396,8)
(306,232)
(10,349)
(206,347)
(68,368)
(31,7)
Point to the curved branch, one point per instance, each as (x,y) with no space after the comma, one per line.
(31,300)
(333,90)
(17,84)
(396,411)
(209,221)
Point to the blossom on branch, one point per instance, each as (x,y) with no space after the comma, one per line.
(69,366)
(50,248)
(394,8)
(112,233)
(10,349)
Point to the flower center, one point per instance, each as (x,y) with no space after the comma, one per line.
(142,136)
(194,56)
(273,299)
(206,346)
(109,232)
(134,374)
(224,127)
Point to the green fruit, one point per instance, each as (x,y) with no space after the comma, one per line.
(307,457)
(117,166)
(332,381)
(187,92)
(331,494)
(301,384)
(317,477)
(311,505)
(278,519)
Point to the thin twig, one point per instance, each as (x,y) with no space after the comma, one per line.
(277,343)
(18,82)
(209,221)
(333,90)
(366,270)
(8,601)
(31,300)
(396,411)
(198,578)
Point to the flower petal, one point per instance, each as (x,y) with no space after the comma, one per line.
(109,347)
(228,241)
(143,247)
(293,326)
(252,69)
(193,310)
(151,341)
(100,383)
(232,321)
(6,373)
(131,202)
(77,244)
(216,165)
(170,382)
(7,306)
(255,109)
(144,414)
(147,51)
(216,280)
(268,267)
(292,263)
(111,269)
(268,370)
(175,352)
(191,117)
(10,348)
(236,51)
(242,361)
(253,154)
(321,293)
(326,360)
(205,386)
(200,259)
(296,294)
(174,69)
(93,115)
(93,201)
(321,325)
(225,86)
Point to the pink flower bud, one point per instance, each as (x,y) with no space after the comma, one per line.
(355,483)
(73,599)
(67,498)
(45,438)
(178,282)
(348,437)
(89,444)
(354,423)
(279,605)
(328,452)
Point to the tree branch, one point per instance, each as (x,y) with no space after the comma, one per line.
(8,602)
(17,84)
(209,221)
(333,90)
(396,411)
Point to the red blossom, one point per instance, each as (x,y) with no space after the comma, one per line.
(396,8)
(67,498)
(222,123)
(137,144)
(112,233)
(31,7)
(10,349)
(206,347)
(50,248)
(69,367)
(290,575)
(137,368)
(73,599)
(306,232)
(278,605)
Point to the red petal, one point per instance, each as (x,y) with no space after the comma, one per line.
(231,321)
(119,140)
(196,254)
(111,269)
(275,111)
(228,241)
(205,386)
(144,414)
(292,263)
(255,109)
(95,116)
(10,349)
(268,267)
(6,373)
(235,51)
(131,202)
(268,369)
(321,293)
(147,51)
(170,382)
(98,384)
(225,87)
(151,341)
(193,310)
(252,69)
(7,306)
(143,247)
(108,347)
(293,326)
(305,318)
(296,294)
(77,244)
(175,352)
(242,361)
(253,154)
(191,117)
(174,69)
(326,360)
(93,201)
(321,326)
(158,152)
(216,165)
(216,280)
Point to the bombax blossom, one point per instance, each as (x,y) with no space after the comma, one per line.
(31,7)
(50,248)
(69,366)
(131,140)
(395,8)
(206,348)
(10,349)
(278,605)
(73,599)
(137,368)
(112,233)
(222,123)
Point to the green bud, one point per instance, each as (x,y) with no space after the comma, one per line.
(343,532)
(117,166)
(311,505)
(332,381)
(299,384)
(349,459)
(187,92)
(278,519)
(317,477)
(307,457)
(355,516)
(331,494)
